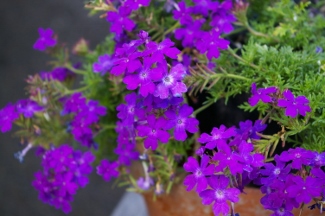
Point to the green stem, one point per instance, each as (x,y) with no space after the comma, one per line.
(259,34)
(74,70)
(234,76)
(232,52)
(176,25)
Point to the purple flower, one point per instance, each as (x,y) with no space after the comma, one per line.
(182,13)
(73,103)
(28,108)
(304,190)
(294,105)
(222,17)
(145,183)
(298,156)
(228,158)
(135,4)
(199,173)
(211,43)
(128,64)
(7,116)
(217,136)
(181,122)
(58,73)
(144,78)
(203,6)
(248,131)
(153,131)
(104,64)
(119,20)
(107,169)
(63,168)
(172,82)
(262,94)
(45,40)
(126,153)
(163,48)
(190,33)
(271,172)
(127,112)
(219,194)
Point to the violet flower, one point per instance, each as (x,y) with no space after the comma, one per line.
(107,169)
(104,64)
(217,136)
(153,132)
(120,21)
(181,122)
(45,40)
(28,108)
(199,173)
(219,194)
(294,105)
(7,116)
(262,94)
(182,13)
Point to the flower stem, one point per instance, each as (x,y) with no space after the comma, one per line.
(203,107)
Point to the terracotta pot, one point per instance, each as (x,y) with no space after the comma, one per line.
(180,202)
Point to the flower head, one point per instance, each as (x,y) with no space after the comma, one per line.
(45,40)
(294,105)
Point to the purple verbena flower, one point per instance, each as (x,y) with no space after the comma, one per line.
(172,83)
(298,156)
(144,78)
(189,33)
(120,21)
(294,105)
(135,4)
(104,64)
(304,190)
(219,194)
(153,132)
(58,73)
(7,116)
(217,136)
(199,173)
(163,48)
(45,40)
(271,171)
(181,122)
(182,13)
(248,131)
(126,153)
(107,169)
(28,107)
(262,94)
(145,183)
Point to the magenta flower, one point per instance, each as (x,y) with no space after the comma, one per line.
(127,64)
(153,131)
(298,156)
(145,183)
(120,21)
(163,48)
(104,64)
(294,105)
(181,122)
(45,40)
(304,190)
(107,169)
(189,33)
(7,116)
(28,108)
(217,136)
(135,4)
(127,112)
(172,83)
(144,78)
(182,13)
(219,194)
(59,73)
(211,43)
(262,94)
(199,173)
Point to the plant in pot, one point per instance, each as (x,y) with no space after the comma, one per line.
(210,95)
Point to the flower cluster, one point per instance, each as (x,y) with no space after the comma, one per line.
(45,40)
(296,177)
(59,73)
(119,18)
(219,17)
(64,171)
(231,154)
(293,105)
(86,114)
(10,113)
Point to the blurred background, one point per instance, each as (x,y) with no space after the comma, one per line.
(19,21)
